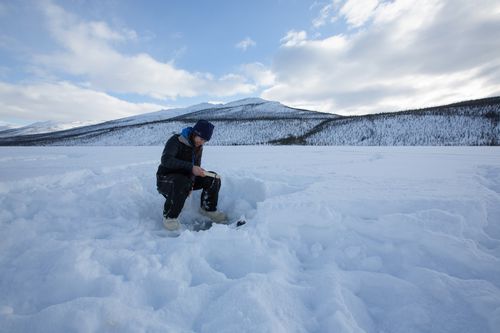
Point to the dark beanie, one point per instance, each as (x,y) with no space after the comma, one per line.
(203,129)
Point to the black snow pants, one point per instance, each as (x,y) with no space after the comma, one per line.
(175,187)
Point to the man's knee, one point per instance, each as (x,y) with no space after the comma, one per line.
(174,184)
(207,183)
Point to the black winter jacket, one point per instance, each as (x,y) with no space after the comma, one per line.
(179,156)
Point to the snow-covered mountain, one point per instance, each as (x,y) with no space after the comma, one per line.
(52,126)
(470,123)
(254,109)
(239,122)
(257,121)
(42,127)
(158,115)
(5,127)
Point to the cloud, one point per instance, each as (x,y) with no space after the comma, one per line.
(260,74)
(100,30)
(404,55)
(245,44)
(294,38)
(89,52)
(358,12)
(63,101)
(324,15)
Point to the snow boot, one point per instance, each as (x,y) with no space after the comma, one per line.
(216,216)
(171,224)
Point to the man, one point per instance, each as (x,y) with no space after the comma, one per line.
(180,172)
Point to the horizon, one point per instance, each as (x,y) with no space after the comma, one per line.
(103,60)
(76,124)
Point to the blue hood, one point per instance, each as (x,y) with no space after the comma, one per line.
(186,132)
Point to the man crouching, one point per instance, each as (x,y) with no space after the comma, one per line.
(180,172)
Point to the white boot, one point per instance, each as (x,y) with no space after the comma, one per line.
(216,216)
(171,224)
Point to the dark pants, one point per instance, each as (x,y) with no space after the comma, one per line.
(176,187)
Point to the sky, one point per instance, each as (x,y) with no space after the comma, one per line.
(96,60)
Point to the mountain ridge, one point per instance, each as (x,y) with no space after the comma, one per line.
(257,121)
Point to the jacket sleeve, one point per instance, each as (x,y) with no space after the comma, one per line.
(169,160)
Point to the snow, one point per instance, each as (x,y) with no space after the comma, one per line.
(246,101)
(338,239)
(460,126)
(248,125)
(160,115)
(43,127)
(241,132)
(256,121)
(5,127)
(53,126)
(254,108)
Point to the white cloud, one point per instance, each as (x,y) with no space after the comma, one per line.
(294,38)
(357,12)
(63,101)
(260,74)
(407,55)
(354,12)
(101,30)
(324,14)
(246,43)
(88,52)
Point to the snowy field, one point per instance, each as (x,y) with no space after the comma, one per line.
(338,239)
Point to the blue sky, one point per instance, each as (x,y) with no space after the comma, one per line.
(79,60)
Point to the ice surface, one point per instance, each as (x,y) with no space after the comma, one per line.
(338,239)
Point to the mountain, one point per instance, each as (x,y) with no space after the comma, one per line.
(248,121)
(256,121)
(254,109)
(41,127)
(468,123)
(156,116)
(51,126)
(5,128)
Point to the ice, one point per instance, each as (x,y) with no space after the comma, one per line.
(338,239)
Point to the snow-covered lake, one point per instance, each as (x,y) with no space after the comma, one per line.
(338,239)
